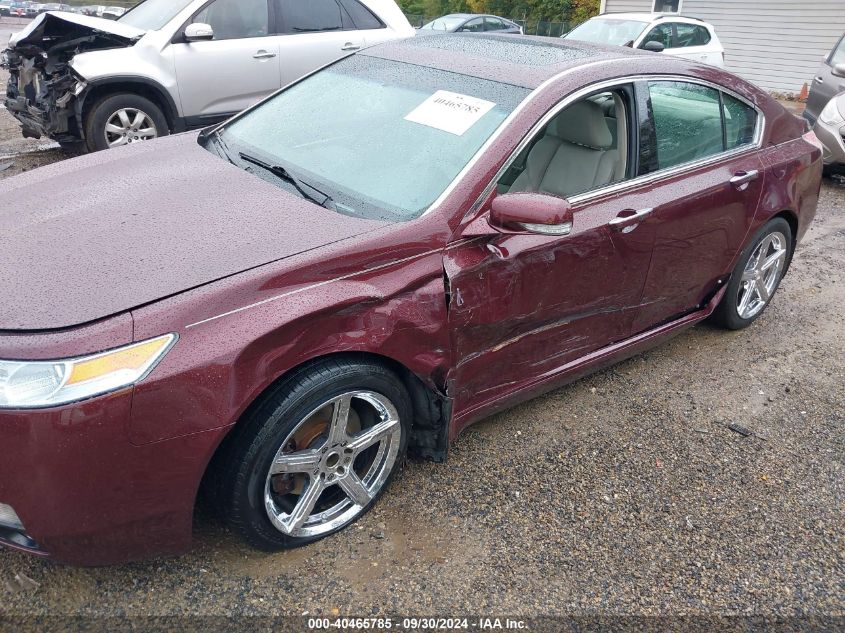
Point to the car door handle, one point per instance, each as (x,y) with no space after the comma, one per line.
(349,46)
(741,180)
(264,55)
(626,219)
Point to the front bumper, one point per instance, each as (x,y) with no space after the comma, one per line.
(833,139)
(86,495)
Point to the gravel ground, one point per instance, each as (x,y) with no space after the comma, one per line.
(624,493)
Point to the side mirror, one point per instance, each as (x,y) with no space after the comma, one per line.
(654,47)
(198,32)
(531,212)
(839,70)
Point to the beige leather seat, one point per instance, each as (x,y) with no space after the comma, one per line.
(575,155)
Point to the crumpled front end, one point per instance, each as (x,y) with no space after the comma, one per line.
(42,98)
(43,92)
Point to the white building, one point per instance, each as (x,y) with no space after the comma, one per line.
(777,44)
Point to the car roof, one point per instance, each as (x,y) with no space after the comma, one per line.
(652,17)
(524,61)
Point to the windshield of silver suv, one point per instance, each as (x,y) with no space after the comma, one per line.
(369,137)
(608,31)
(152,15)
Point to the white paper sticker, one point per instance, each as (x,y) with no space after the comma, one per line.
(451,112)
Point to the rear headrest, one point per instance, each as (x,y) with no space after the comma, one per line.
(582,123)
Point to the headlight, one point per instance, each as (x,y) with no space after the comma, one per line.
(831,114)
(37,384)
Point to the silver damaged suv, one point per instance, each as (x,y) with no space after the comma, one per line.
(172,65)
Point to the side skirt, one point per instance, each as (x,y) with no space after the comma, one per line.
(596,361)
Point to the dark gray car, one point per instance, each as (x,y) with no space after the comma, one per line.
(829,81)
(470,23)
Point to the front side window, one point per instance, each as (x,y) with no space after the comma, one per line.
(311,17)
(383,139)
(583,148)
(608,31)
(446,23)
(236,19)
(473,26)
(691,35)
(661,33)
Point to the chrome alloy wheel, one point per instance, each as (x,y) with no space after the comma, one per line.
(129,125)
(332,465)
(762,275)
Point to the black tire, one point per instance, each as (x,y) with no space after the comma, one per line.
(104,109)
(727,314)
(244,465)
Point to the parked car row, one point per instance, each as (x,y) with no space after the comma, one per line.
(32,9)
(392,247)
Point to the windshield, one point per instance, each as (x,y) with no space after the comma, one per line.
(381,139)
(152,15)
(608,31)
(445,24)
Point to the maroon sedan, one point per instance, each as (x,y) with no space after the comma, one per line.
(362,265)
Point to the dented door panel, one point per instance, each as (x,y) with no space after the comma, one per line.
(522,305)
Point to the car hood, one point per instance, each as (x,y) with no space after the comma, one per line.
(94,236)
(55,28)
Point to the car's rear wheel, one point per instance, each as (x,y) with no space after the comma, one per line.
(316,454)
(122,119)
(756,277)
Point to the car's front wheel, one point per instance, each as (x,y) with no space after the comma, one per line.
(756,277)
(122,119)
(315,454)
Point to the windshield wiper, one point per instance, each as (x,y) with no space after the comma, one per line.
(224,149)
(300,185)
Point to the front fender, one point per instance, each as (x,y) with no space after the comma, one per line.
(222,364)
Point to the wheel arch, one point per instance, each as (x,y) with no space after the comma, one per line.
(792,220)
(429,430)
(142,86)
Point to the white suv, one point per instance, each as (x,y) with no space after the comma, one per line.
(671,34)
(173,65)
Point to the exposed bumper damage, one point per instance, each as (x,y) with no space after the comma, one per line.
(43,92)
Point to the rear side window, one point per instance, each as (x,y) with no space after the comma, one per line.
(236,19)
(740,122)
(473,26)
(311,17)
(687,121)
(692,122)
(494,24)
(691,35)
(362,18)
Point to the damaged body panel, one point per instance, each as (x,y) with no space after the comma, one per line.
(291,268)
(43,90)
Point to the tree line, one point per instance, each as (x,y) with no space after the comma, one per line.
(550,10)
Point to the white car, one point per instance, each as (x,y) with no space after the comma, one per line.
(172,65)
(686,37)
